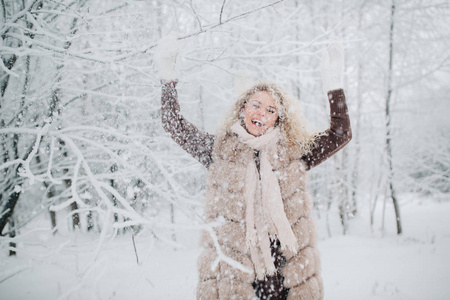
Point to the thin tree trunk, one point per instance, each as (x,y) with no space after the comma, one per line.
(342,193)
(355,171)
(68,184)
(328,219)
(376,190)
(53,221)
(55,111)
(90,221)
(8,209)
(12,235)
(75,216)
(388,123)
(4,83)
(50,194)
(357,129)
(14,197)
(113,169)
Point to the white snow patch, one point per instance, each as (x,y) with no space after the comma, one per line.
(361,265)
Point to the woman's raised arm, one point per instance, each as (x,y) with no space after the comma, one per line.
(339,133)
(194,141)
(335,137)
(197,143)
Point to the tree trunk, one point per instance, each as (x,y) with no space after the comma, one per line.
(14,197)
(53,221)
(9,63)
(50,194)
(113,169)
(388,123)
(75,216)
(68,184)
(341,190)
(356,131)
(90,221)
(8,209)
(12,235)
(55,111)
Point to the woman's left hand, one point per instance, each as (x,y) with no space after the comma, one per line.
(331,67)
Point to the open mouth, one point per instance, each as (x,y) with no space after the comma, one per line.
(257,123)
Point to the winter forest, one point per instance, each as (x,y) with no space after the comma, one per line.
(98,202)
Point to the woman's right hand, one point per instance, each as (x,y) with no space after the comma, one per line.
(165,57)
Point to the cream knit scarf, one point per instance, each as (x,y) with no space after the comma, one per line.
(265,211)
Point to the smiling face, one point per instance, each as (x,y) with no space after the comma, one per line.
(260,113)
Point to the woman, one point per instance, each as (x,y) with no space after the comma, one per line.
(256,191)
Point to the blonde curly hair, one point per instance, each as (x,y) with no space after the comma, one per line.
(291,122)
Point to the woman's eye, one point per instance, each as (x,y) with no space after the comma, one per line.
(271,110)
(255,105)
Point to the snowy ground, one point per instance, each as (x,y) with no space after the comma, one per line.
(361,265)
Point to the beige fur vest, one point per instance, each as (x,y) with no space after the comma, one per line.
(225,203)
